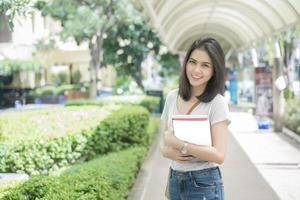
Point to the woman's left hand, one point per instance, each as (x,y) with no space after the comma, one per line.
(174,143)
(171,140)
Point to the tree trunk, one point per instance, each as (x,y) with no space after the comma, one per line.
(96,61)
(71,73)
(138,78)
(93,70)
(95,46)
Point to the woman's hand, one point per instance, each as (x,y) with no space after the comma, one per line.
(172,151)
(176,155)
(170,139)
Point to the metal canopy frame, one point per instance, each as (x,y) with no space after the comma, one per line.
(237,23)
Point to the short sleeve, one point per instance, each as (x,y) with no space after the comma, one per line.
(170,100)
(219,110)
(164,115)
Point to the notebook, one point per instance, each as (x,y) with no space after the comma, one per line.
(193,129)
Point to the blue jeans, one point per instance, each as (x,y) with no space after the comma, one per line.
(205,184)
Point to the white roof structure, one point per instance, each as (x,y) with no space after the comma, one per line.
(235,23)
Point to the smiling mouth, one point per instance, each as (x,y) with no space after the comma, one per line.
(195,77)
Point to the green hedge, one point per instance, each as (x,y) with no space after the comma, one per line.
(153,128)
(149,102)
(105,178)
(84,102)
(57,90)
(121,129)
(47,123)
(86,177)
(292,115)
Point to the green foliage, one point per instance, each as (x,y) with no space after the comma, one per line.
(122,83)
(125,127)
(76,76)
(127,45)
(125,85)
(83,25)
(81,20)
(42,125)
(57,9)
(119,24)
(63,88)
(60,90)
(172,83)
(92,21)
(288,94)
(153,128)
(44,45)
(170,65)
(292,115)
(60,78)
(100,178)
(44,91)
(13,8)
(105,178)
(83,102)
(10,66)
(148,102)
(6,186)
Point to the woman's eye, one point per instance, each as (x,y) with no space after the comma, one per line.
(191,61)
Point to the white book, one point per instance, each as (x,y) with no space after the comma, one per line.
(193,129)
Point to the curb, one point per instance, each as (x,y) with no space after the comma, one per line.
(137,190)
(292,135)
(8,177)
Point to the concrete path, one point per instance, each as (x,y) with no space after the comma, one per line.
(246,171)
(274,155)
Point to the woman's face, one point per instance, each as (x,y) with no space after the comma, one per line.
(199,69)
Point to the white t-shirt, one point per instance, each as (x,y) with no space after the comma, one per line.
(217,111)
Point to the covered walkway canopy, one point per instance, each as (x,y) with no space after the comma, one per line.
(235,23)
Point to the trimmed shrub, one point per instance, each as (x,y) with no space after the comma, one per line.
(121,129)
(153,128)
(292,115)
(44,124)
(84,102)
(43,91)
(106,178)
(149,102)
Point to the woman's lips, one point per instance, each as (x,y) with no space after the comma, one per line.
(196,77)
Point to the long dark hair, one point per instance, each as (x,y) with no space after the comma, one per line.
(217,82)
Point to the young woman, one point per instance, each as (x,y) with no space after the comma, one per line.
(194,171)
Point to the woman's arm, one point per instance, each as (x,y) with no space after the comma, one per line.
(167,151)
(215,153)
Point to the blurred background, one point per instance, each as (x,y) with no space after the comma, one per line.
(56,53)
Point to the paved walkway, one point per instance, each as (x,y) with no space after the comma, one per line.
(247,173)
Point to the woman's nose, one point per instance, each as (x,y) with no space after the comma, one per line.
(197,68)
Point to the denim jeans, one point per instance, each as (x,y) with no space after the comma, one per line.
(205,184)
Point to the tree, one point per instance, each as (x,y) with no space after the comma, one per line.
(86,21)
(170,64)
(127,45)
(114,29)
(110,24)
(13,8)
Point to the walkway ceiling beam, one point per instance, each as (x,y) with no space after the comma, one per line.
(240,32)
(240,22)
(227,34)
